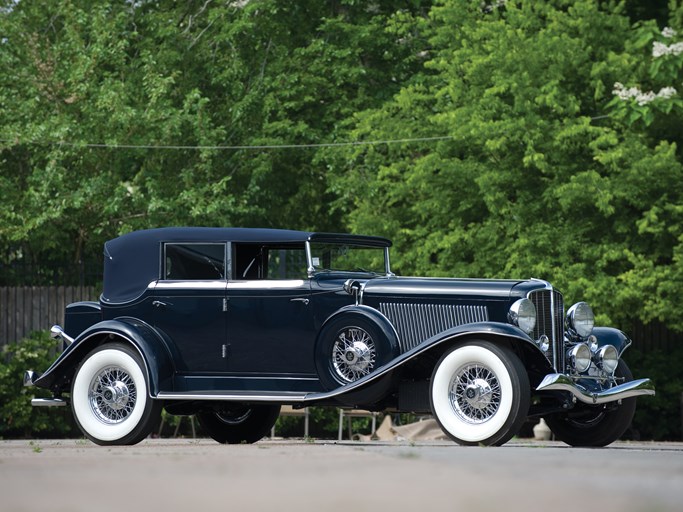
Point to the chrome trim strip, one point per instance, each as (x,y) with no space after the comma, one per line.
(561,382)
(266,284)
(48,402)
(309,259)
(387,263)
(191,285)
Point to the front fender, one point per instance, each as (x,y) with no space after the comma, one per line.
(492,331)
(611,336)
(151,346)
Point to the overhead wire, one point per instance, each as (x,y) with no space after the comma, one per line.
(231,147)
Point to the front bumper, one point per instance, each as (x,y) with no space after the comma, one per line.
(561,382)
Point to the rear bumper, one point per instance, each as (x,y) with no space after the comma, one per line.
(561,382)
(29,378)
(48,402)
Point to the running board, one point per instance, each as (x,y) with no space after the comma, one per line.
(237,396)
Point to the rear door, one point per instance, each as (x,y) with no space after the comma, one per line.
(189,305)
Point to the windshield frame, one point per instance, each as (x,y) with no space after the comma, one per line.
(313,270)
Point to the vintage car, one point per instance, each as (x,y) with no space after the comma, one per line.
(229,324)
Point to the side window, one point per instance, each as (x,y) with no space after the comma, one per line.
(194,261)
(289,263)
(255,261)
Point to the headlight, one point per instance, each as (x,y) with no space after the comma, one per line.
(580,357)
(607,359)
(523,314)
(580,319)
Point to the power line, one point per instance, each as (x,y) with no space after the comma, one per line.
(233,148)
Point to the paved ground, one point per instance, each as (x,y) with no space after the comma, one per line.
(200,475)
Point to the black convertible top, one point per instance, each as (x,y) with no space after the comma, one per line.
(132,261)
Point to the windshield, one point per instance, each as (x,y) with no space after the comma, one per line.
(329,257)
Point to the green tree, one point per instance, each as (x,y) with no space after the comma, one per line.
(541,177)
(262,73)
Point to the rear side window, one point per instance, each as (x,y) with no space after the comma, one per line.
(194,262)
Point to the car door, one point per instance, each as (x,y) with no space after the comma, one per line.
(189,305)
(270,318)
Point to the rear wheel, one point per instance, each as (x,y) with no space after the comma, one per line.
(110,398)
(587,425)
(236,424)
(480,394)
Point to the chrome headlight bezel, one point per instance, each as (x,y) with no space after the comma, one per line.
(607,359)
(580,357)
(580,320)
(523,315)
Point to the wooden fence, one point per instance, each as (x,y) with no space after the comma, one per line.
(25,309)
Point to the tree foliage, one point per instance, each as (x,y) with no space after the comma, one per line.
(555,132)
(564,120)
(182,74)
(545,175)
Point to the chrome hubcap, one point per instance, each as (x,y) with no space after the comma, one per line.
(353,354)
(112,395)
(474,393)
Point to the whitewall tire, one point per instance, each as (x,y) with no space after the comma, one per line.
(110,398)
(480,393)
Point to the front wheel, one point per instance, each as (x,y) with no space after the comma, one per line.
(480,394)
(237,424)
(600,425)
(109,396)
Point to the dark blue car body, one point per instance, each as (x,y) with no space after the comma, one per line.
(231,323)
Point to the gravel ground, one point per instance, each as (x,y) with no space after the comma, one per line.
(193,475)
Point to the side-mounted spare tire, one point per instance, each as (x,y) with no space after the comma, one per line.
(350,347)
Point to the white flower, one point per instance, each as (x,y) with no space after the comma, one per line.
(645,97)
(641,97)
(660,49)
(667,92)
(668,32)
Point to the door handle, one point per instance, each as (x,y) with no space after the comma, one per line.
(159,304)
(305,301)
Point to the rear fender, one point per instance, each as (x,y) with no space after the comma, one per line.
(143,337)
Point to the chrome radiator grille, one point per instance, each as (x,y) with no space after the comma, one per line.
(417,322)
(550,321)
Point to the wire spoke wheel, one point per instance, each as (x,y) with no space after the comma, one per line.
(112,395)
(109,396)
(480,393)
(353,354)
(475,393)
